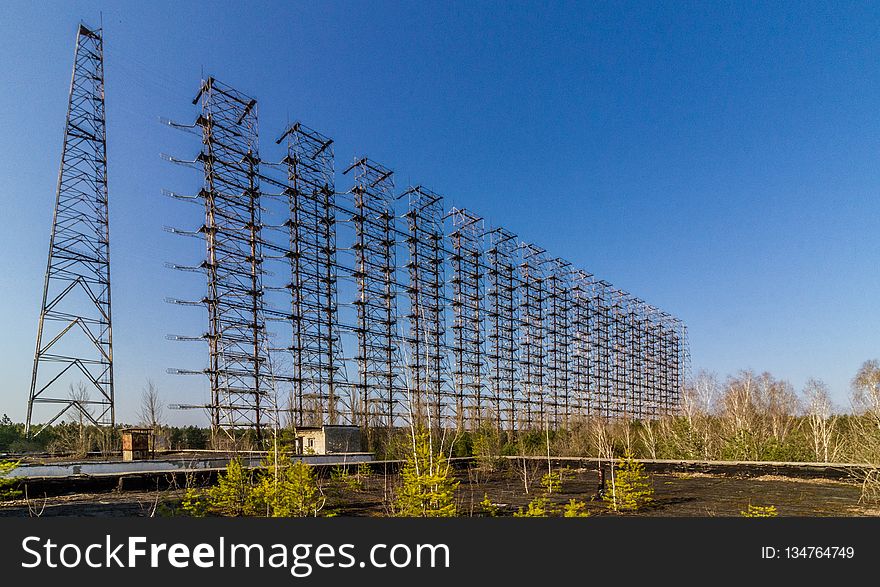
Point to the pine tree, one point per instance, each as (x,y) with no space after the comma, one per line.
(232,496)
(427,489)
(287,489)
(631,488)
(575,509)
(540,507)
(488,507)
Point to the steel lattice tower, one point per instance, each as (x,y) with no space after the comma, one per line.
(427,327)
(533,334)
(314,347)
(559,339)
(502,326)
(377,357)
(467,307)
(582,325)
(239,371)
(74,335)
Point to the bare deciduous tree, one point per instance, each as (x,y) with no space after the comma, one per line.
(866,390)
(696,439)
(822,421)
(152,412)
(739,415)
(866,403)
(81,398)
(778,400)
(699,398)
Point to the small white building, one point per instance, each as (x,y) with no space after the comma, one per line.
(328,439)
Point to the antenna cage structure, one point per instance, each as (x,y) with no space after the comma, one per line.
(392,309)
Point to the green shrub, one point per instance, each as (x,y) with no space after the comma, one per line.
(427,489)
(631,488)
(6,485)
(282,488)
(575,509)
(286,489)
(232,496)
(551,482)
(487,507)
(759,511)
(341,476)
(540,507)
(487,450)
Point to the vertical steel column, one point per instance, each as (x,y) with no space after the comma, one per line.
(619,348)
(604,355)
(681,365)
(582,381)
(666,358)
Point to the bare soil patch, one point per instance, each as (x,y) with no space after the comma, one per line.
(676,495)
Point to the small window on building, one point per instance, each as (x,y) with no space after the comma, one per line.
(311,443)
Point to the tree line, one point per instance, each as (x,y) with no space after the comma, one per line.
(747,416)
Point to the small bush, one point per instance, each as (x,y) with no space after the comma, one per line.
(342,478)
(551,482)
(759,511)
(575,509)
(232,496)
(6,491)
(287,489)
(631,488)
(487,507)
(428,489)
(540,507)
(487,450)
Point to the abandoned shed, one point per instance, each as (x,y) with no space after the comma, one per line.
(328,439)
(137,443)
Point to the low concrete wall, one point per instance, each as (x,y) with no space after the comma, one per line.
(176,465)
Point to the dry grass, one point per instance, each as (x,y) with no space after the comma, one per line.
(800,480)
(693,475)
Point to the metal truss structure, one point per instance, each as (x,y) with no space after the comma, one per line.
(467,326)
(428,386)
(73,360)
(502,327)
(474,328)
(584,396)
(532,335)
(311,253)
(378,360)
(239,371)
(559,341)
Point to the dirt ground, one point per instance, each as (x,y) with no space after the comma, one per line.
(676,495)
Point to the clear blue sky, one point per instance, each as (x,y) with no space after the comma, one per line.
(718,160)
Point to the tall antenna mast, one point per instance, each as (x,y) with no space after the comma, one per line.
(73,360)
